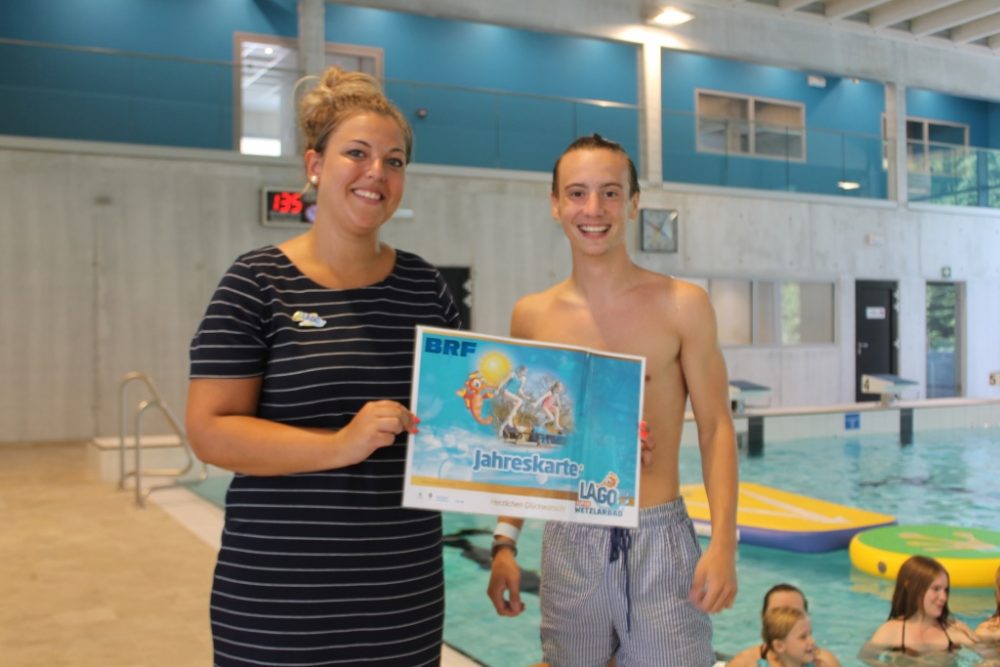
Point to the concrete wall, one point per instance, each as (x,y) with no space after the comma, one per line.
(108,255)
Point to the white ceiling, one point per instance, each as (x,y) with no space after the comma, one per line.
(972,25)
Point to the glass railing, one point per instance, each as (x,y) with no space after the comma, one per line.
(953,175)
(113,96)
(713,151)
(104,95)
(504,130)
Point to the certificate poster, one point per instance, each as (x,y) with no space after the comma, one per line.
(522,428)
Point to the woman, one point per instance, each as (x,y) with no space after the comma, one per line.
(300,378)
(778,596)
(919,619)
(989,630)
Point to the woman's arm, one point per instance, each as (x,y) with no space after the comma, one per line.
(224,431)
(989,630)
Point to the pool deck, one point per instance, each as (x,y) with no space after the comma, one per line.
(91,580)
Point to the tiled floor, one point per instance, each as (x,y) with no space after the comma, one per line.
(87,579)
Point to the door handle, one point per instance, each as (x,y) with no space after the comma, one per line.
(862,346)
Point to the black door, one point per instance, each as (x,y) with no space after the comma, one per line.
(874,332)
(459,281)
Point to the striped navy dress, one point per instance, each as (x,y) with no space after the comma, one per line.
(324,568)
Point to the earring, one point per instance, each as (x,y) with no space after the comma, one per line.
(314,179)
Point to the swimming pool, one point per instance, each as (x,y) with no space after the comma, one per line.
(943,477)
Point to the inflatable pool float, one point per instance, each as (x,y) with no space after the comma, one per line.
(971,555)
(770,517)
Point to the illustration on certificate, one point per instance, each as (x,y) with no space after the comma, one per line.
(524,428)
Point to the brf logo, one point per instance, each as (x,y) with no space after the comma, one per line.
(449,346)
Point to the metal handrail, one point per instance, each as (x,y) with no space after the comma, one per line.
(155,402)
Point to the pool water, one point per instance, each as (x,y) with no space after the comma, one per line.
(943,477)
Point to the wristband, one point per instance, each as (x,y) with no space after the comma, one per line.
(507,530)
(502,544)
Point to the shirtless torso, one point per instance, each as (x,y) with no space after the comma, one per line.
(645,319)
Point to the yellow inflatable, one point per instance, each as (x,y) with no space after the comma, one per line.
(771,517)
(971,555)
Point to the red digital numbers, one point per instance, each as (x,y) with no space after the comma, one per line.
(287,203)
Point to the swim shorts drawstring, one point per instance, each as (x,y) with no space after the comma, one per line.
(621,542)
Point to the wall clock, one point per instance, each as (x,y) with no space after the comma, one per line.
(658,229)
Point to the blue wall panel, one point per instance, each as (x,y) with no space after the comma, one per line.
(979,115)
(493,128)
(156,100)
(843,122)
(186,28)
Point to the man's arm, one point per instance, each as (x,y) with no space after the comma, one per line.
(714,586)
(504,588)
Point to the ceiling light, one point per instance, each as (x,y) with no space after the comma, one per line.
(670,17)
(848,185)
(268,51)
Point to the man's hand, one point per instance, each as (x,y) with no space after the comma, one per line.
(714,586)
(504,589)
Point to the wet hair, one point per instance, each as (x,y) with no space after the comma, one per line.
(783,588)
(777,623)
(915,576)
(340,95)
(996,592)
(595,142)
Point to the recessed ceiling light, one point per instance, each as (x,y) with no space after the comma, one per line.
(848,185)
(268,51)
(671,16)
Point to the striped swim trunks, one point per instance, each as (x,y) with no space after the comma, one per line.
(613,592)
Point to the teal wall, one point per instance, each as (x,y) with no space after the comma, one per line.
(843,122)
(177,88)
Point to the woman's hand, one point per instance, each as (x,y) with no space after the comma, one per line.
(376,425)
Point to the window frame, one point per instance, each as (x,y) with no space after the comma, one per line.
(751,101)
(758,291)
(377,54)
(924,141)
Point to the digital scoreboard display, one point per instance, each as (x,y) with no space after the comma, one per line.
(287,208)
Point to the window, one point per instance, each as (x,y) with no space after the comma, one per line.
(265,105)
(750,126)
(758,312)
(931,146)
(930,143)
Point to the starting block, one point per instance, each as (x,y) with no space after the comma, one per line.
(741,390)
(888,387)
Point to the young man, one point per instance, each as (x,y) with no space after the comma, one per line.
(640,595)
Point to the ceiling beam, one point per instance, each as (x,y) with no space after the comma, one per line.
(790,5)
(970,32)
(898,11)
(839,9)
(949,17)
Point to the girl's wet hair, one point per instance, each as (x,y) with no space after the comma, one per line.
(340,95)
(996,592)
(777,623)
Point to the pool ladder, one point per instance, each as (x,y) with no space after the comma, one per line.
(154,401)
